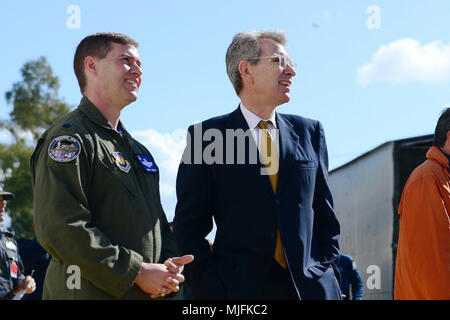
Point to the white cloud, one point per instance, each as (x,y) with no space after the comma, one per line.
(7,138)
(406,60)
(167,149)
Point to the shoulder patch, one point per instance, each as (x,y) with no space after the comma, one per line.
(64,149)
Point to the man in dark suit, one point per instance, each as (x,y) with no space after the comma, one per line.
(262,176)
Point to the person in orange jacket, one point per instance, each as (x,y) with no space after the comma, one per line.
(423,255)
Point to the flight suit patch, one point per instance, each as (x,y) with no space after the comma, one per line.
(123,164)
(14,270)
(147,163)
(11,252)
(64,149)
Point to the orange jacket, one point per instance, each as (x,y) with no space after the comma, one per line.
(422,268)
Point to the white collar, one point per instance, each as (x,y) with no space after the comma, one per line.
(253,120)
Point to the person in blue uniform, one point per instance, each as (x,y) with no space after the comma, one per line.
(350,277)
(12,278)
(34,258)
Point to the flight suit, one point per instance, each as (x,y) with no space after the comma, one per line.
(11,267)
(97,208)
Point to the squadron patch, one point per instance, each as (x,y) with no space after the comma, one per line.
(147,163)
(123,164)
(64,149)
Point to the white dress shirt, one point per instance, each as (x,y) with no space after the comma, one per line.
(253,120)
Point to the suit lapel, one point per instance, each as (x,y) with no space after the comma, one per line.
(289,142)
(237,121)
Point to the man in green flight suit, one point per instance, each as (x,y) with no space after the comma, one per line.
(97,206)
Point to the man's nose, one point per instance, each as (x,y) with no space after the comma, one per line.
(136,70)
(289,70)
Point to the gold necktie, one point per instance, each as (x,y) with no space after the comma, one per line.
(269,156)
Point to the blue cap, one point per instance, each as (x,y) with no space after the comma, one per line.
(6,195)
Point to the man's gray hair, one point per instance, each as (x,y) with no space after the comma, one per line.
(245,45)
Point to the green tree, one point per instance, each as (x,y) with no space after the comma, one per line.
(35,106)
(14,160)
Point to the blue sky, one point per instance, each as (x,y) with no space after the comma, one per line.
(370,71)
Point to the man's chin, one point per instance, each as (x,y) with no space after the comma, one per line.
(129,99)
(284,99)
(132,96)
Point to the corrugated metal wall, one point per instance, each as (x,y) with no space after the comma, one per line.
(362,193)
(366,193)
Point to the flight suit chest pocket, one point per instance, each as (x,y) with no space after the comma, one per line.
(117,168)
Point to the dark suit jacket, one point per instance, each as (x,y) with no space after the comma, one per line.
(247,212)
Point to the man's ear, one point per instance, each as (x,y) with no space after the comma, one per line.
(446,147)
(245,72)
(90,65)
(447,141)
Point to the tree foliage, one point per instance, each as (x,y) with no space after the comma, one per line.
(14,160)
(35,106)
(35,99)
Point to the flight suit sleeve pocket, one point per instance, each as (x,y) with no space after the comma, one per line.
(53,163)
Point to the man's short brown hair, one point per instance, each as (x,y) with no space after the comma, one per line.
(96,45)
(442,127)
